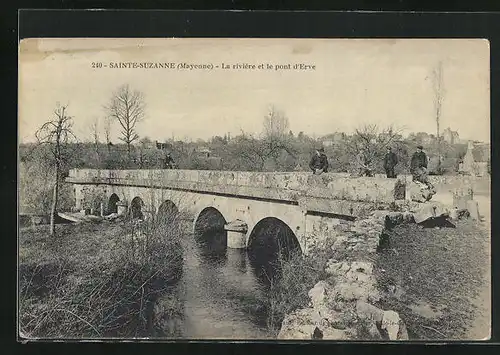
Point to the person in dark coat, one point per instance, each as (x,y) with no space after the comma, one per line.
(169,162)
(418,167)
(390,161)
(319,162)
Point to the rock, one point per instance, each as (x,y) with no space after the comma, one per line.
(454,214)
(473,209)
(351,291)
(353,281)
(318,294)
(305,324)
(301,324)
(429,211)
(420,192)
(390,323)
(300,332)
(368,312)
(317,333)
(112,216)
(403,332)
(373,332)
(325,317)
(335,334)
(392,219)
(336,268)
(362,266)
(460,198)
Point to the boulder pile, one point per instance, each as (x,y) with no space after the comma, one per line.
(342,307)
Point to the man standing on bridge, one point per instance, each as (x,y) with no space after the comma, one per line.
(319,162)
(390,161)
(418,167)
(169,162)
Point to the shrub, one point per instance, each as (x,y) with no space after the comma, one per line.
(297,274)
(105,285)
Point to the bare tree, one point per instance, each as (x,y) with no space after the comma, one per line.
(373,140)
(276,137)
(128,108)
(107,132)
(439,93)
(56,133)
(274,141)
(144,157)
(275,123)
(95,136)
(253,150)
(372,137)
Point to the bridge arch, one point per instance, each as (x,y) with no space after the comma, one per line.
(272,230)
(167,213)
(209,219)
(136,206)
(270,242)
(112,203)
(209,232)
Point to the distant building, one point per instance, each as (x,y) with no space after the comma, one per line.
(450,136)
(333,138)
(475,161)
(422,138)
(205,152)
(163,146)
(428,139)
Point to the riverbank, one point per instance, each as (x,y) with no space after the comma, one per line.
(93,280)
(433,278)
(424,283)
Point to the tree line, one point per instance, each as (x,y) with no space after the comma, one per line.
(275,148)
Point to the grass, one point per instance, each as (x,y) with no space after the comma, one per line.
(296,276)
(433,276)
(94,279)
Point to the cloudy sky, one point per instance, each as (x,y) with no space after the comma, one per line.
(355,82)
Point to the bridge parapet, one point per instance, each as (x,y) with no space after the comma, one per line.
(293,187)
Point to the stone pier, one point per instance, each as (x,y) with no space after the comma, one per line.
(236,234)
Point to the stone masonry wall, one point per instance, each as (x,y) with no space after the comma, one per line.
(343,306)
(287,186)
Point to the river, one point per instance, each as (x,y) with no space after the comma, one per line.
(221,293)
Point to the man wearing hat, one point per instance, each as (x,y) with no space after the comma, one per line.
(390,161)
(319,162)
(418,166)
(168,162)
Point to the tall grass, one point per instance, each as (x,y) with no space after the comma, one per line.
(96,280)
(295,274)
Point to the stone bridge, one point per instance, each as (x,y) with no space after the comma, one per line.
(303,204)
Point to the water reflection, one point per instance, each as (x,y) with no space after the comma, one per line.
(224,291)
(222,294)
(271,244)
(211,246)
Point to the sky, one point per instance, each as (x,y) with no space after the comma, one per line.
(355,82)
